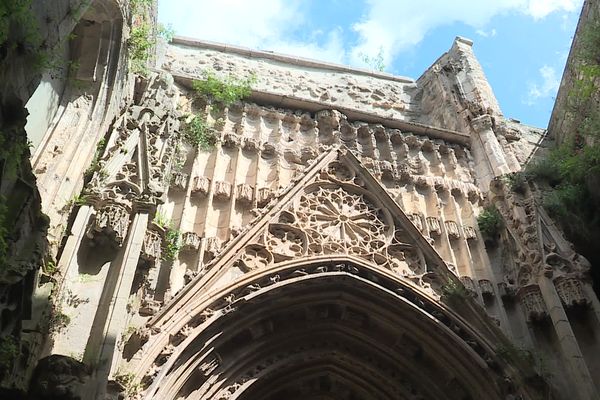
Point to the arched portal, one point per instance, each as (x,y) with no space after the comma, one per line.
(328,328)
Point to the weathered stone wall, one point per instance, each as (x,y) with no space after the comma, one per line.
(334,204)
(566,118)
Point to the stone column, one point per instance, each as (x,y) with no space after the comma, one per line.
(68,257)
(488,151)
(119,283)
(580,375)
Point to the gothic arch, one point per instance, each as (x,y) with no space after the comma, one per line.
(329,327)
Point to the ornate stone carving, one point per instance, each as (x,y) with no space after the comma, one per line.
(249,144)
(433,225)
(254,256)
(533,303)
(570,291)
(213,245)
(179,180)
(417,220)
(469,232)
(190,241)
(222,190)
(487,289)
(286,242)
(231,140)
(113,220)
(263,196)
(452,230)
(151,249)
(387,170)
(468,283)
(244,193)
(337,221)
(200,185)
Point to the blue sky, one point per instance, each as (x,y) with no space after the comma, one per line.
(521,44)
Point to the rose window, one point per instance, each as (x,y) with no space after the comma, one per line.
(336,219)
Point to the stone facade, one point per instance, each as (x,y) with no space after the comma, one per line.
(327,246)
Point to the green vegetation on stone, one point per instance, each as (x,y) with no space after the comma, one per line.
(9,350)
(172,244)
(490,222)
(223,92)
(198,134)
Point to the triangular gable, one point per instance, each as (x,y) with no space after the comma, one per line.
(336,208)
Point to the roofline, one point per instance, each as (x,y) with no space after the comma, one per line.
(288,59)
(286,101)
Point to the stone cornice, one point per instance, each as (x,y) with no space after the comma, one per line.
(293,102)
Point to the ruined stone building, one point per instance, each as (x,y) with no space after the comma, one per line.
(325,246)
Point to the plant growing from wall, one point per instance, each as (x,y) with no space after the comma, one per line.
(128,382)
(490,222)
(223,92)
(9,350)
(453,290)
(517,182)
(197,133)
(141,42)
(376,62)
(95,164)
(172,244)
(4,233)
(58,320)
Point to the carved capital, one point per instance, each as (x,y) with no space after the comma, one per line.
(482,123)
(222,190)
(570,291)
(200,186)
(112,220)
(190,241)
(533,303)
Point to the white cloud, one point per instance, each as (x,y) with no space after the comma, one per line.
(397,25)
(547,88)
(483,33)
(258,24)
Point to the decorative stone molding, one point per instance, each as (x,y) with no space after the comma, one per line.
(231,140)
(417,220)
(387,170)
(190,241)
(452,230)
(244,193)
(468,283)
(469,232)
(264,196)
(507,291)
(570,291)
(113,220)
(249,144)
(533,303)
(201,186)
(213,245)
(433,225)
(222,190)
(487,289)
(151,249)
(482,123)
(179,180)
